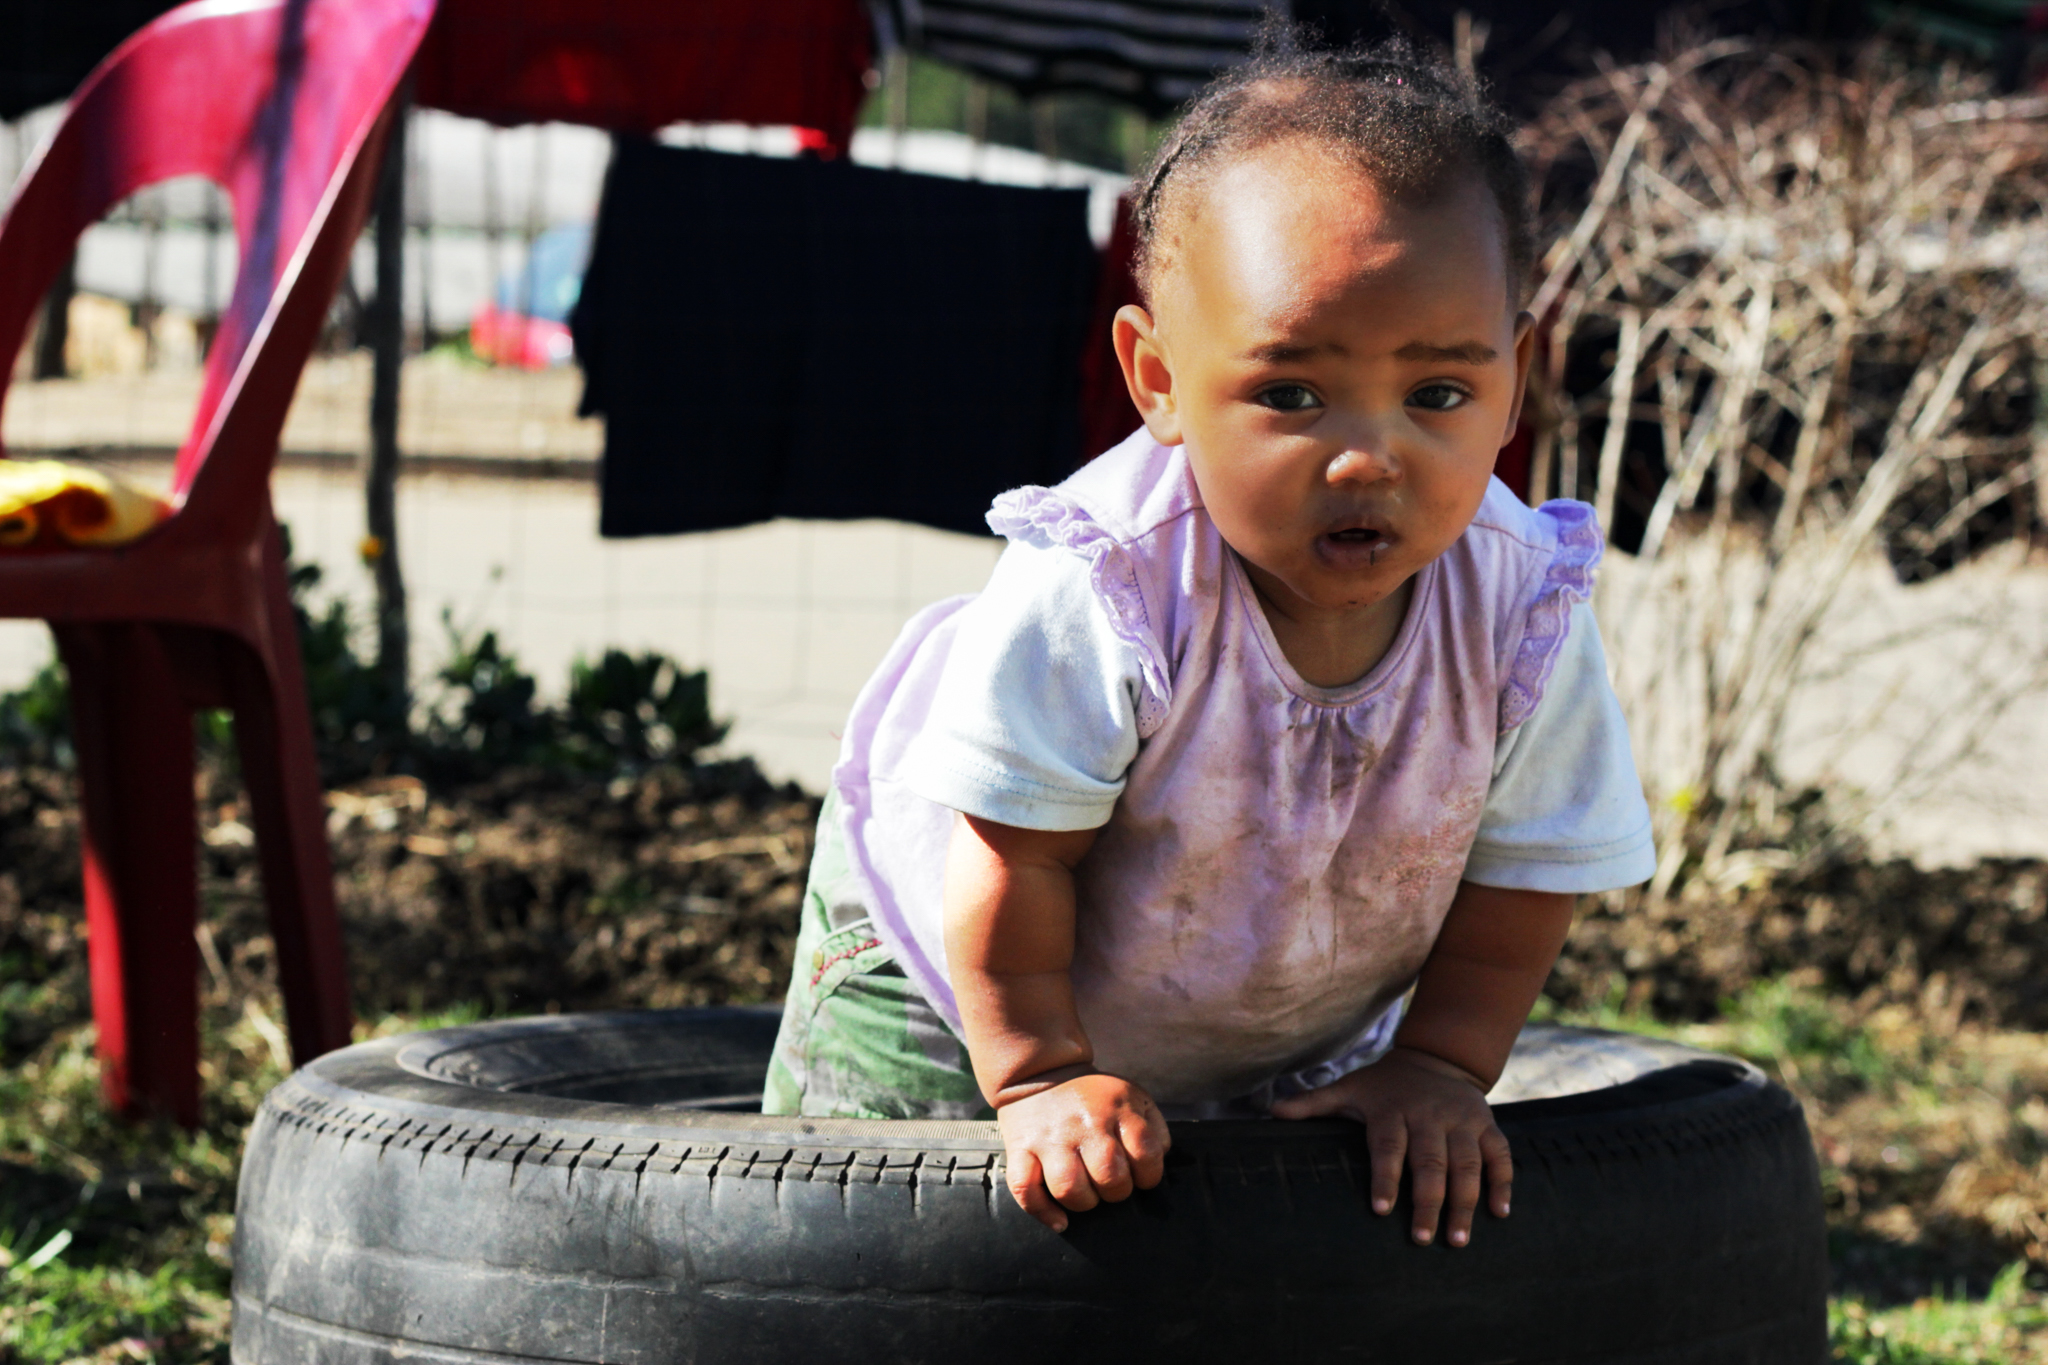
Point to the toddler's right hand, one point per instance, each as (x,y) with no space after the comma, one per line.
(1081,1142)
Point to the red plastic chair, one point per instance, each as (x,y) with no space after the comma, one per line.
(286,104)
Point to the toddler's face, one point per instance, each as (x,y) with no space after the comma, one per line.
(1343,370)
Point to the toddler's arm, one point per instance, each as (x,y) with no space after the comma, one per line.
(1070,1133)
(1425,1101)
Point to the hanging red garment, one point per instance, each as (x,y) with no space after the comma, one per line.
(635,65)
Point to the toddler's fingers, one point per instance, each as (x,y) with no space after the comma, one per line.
(1309,1104)
(1146,1139)
(1067,1178)
(1387,1140)
(1107,1169)
(1027,1187)
(1466,1166)
(1500,1168)
(1427,1164)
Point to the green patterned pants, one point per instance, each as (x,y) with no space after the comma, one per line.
(857,1039)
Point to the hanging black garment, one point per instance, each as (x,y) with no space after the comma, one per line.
(1152,53)
(47,48)
(813,339)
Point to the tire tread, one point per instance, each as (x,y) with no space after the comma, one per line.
(1759,1111)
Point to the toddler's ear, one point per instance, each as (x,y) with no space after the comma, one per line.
(1147,372)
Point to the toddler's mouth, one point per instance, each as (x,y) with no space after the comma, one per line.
(1355,545)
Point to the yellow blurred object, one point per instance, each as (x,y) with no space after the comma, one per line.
(18,527)
(46,504)
(101,338)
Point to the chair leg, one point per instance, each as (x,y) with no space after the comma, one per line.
(133,733)
(274,737)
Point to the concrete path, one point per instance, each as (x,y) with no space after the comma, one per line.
(449,411)
(789,617)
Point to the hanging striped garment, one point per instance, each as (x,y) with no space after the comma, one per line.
(1153,53)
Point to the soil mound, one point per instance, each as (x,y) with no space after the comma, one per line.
(531,891)
(1958,945)
(538,890)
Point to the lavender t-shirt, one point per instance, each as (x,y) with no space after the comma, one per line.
(1275,858)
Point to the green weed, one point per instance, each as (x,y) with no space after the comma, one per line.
(35,722)
(1942,1330)
(622,712)
(455,1016)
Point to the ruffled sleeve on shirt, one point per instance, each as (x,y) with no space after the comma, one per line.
(1565,811)
(1567,579)
(1036,718)
(1043,518)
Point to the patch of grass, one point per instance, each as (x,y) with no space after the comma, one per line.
(1614,1011)
(455,1016)
(1783,1025)
(2006,1325)
(115,1238)
(1810,1039)
(58,1312)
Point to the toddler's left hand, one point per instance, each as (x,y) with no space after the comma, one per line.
(1419,1108)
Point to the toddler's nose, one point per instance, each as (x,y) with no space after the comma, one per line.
(1363,462)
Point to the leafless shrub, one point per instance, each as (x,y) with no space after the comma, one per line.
(1796,317)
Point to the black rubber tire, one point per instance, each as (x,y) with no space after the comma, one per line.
(575,1189)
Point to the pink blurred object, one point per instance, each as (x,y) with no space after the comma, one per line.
(504,337)
(286,104)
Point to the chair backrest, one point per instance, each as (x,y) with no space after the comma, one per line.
(285,104)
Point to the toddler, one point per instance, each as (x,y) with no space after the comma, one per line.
(1278,713)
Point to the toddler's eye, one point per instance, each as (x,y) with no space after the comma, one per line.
(1439,397)
(1290,398)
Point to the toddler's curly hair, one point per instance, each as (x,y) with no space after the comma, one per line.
(1413,122)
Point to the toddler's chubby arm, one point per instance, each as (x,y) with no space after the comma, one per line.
(1425,1101)
(1072,1136)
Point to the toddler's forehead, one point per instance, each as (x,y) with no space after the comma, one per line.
(1305,225)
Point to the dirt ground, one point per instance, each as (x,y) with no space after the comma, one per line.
(1956,945)
(538,891)
(531,892)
